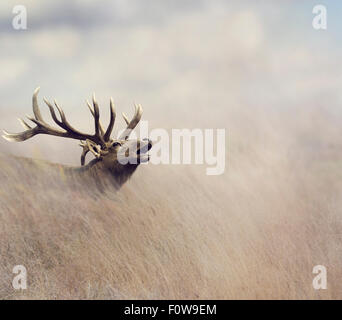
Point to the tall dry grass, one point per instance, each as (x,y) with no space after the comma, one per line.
(173,232)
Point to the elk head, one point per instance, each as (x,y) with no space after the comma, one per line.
(120,156)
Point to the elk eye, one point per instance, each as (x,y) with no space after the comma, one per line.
(115,144)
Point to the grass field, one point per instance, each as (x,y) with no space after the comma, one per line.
(172,232)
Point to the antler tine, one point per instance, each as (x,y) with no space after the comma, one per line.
(133,123)
(93,114)
(24,124)
(105,135)
(96,115)
(18,137)
(64,123)
(112,121)
(97,120)
(35,106)
(52,112)
(125,118)
(84,152)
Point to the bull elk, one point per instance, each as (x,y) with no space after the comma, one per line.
(115,159)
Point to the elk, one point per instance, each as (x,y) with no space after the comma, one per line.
(115,159)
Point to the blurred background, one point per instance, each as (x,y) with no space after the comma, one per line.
(256,68)
(210,64)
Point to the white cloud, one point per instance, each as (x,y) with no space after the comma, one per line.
(12,69)
(217,56)
(245,30)
(55,43)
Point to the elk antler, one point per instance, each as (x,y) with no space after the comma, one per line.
(133,123)
(100,137)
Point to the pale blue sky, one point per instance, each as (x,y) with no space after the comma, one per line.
(90,27)
(220,57)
